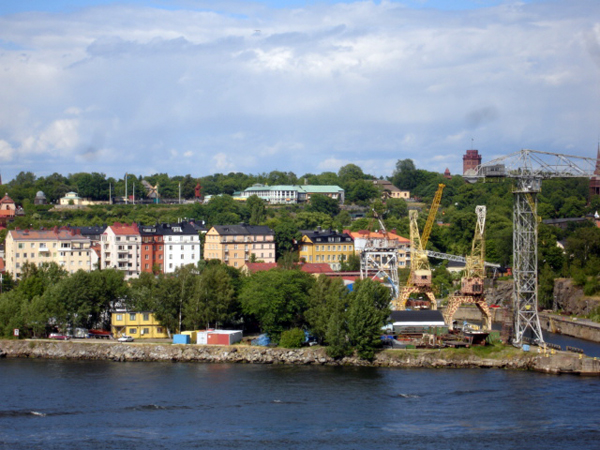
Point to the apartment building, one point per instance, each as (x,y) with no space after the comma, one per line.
(165,247)
(325,246)
(235,244)
(120,249)
(64,246)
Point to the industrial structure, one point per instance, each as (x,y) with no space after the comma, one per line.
(471,286)
(528,168)
(419,280)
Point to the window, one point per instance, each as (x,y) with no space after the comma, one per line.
(147,247)
(146,257)
(32,245)
(17,255)
(25,255)
(235,264)
(118,238)
(170,256)
(146,266)
(170,265)
(21,245)
(182,247)
(170,246)
(146,317)
(132,316)
(160,247)
(146,331)
(133,331)
(18,265)
(119,317)
(158,329)
(182,256)
(344,248)
(160,256)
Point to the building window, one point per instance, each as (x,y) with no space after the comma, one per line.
(158,329)
(17,255)
(160,256)
(146,257)
(146,317)
(182,256)
(32,245)
(160,247)
(146,331)
(133,331)
(147,247)
(119,317)
(132,316)
(21,245)
(170,265)
(235,264)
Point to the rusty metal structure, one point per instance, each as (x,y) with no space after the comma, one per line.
(471,286)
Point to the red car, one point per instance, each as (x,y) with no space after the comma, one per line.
(58,336)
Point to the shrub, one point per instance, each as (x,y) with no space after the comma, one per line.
(293,338)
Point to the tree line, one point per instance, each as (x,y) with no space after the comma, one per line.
(209,294)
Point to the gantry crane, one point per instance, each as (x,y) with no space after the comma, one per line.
(528,168)
(420,282)
(380,258)
(471,285)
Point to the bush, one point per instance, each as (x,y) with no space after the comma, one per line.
(293,338)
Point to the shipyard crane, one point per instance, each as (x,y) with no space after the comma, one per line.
(471,285)
(418,258)
(528,168)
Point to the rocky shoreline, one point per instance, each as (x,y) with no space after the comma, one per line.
(559,363)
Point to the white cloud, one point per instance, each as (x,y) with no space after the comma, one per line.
(319,87)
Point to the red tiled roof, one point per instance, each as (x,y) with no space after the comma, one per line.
(53,233)
(6,199)
(1,264)
(7,213)
(259,267)
(316,268)
(124,229)
(378,235)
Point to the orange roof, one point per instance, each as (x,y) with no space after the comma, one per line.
(124,228)
(6,199)
(306,267)
(377,235)
(1,264)
(7,213)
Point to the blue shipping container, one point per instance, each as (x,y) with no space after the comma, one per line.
(181,339)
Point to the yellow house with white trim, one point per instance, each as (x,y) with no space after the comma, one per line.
(139,325)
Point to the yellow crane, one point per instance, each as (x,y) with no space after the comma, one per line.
(471,285)
(419,279)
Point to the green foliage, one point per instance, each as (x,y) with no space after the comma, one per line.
(276,299)
(293,338)
(285,235)
(324,297)
(368,309)
(320,203)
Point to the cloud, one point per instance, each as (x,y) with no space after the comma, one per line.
(320,86)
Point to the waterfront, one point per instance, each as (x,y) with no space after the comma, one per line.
(55,404)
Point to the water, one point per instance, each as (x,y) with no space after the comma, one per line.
(106,405)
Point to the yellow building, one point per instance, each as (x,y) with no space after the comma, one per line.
(65,246)
(326,246)
(139,325)
(235,244)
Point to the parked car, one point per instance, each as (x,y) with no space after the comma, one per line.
(58,336)
(125,338)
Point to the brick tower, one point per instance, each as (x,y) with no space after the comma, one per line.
(471,160)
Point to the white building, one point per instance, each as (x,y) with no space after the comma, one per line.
(290,194)
(120,249)
(181,245)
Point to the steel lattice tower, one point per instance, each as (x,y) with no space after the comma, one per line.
(525,263)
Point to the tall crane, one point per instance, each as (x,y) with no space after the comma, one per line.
(471,286)
(528,168)
(418,259)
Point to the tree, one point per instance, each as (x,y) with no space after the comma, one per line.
(323,204)
(212,300)
(255,207)
(324,297)
(367,312)
(286,233)
(404,175)
(276,299)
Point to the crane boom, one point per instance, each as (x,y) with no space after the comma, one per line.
(435,204)
(528,168)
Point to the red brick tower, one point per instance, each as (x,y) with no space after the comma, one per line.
(471,160)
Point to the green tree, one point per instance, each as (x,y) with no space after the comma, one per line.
(276,299)
(286,234)
(324,297)
(323,204)
(367,312)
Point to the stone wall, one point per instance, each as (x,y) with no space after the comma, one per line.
(582,329)
(510,358)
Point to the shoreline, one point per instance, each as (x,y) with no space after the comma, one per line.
(501,358)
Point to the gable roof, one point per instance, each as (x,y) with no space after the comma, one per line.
(123,229)
(323,236)
(6,199)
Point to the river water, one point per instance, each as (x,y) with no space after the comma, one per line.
(49,404)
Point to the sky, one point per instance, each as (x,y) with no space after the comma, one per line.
(201,87)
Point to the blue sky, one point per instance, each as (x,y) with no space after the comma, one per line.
(200,87)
